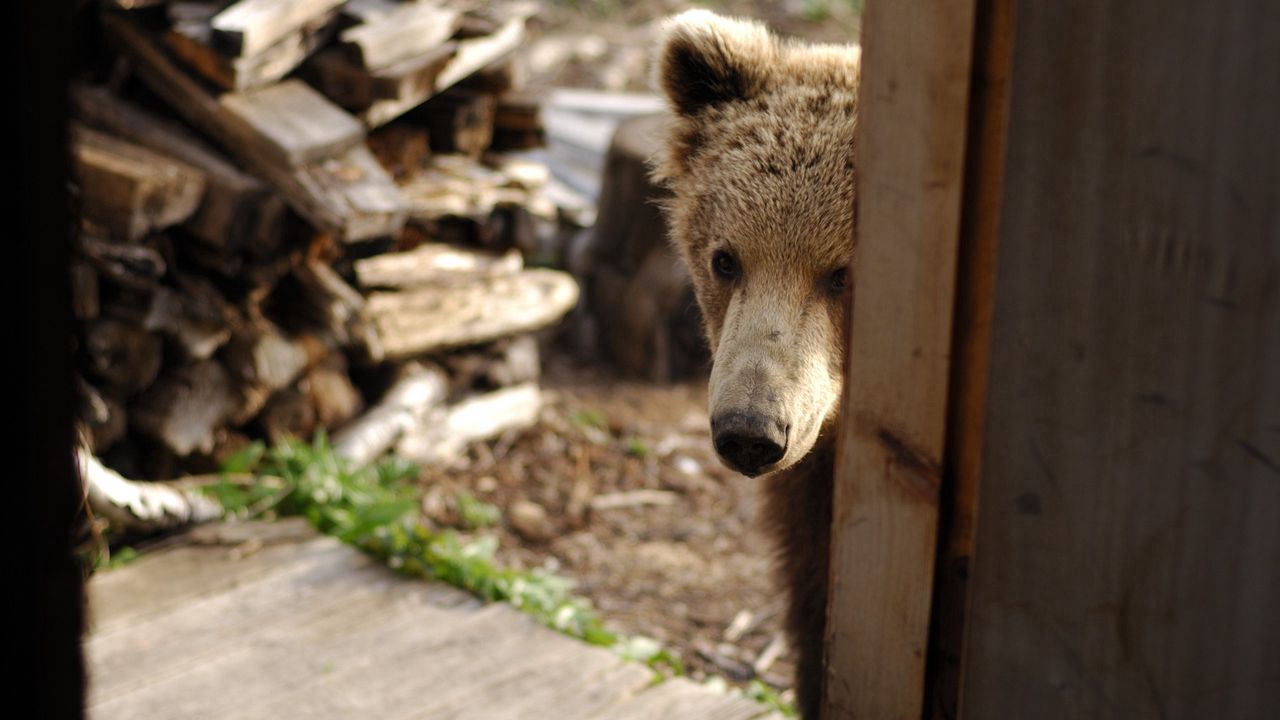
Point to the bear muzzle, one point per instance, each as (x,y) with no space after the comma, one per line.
(749,442)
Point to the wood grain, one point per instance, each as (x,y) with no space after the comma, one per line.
(1127,561)
(305,627)
(910,159)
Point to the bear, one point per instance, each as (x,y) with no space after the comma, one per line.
(758,158)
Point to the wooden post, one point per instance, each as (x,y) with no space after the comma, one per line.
(910,160)
(970,357)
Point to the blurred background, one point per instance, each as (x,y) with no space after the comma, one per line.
(328,231)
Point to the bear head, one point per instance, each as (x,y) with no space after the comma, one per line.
(759,161)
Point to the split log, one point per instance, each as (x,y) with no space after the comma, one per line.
(409,30)
(506,362)
(458,186)
(198,319)
(434,264)
(398,87)
(238,210)
(419,79)
(460,121)
(84,291)
(261,355)
(349,196)
(130,190)
(191,40)
(517,123)
(104,417)
(123,356)
(288,414)
(412,322)
(329,389)
(471,56)
(249,27)
(419,389)
(137,267)
(184,409)
(336,308)
(442,440)
(402,149)
(141,506)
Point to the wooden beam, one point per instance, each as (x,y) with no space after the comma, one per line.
(975,300)
(910,159)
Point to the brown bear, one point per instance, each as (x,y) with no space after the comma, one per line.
(759,159)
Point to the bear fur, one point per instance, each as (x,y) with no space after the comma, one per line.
(759,160)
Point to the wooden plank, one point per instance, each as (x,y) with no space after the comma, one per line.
(471,56)
(354,626)
(291,122)
(426,319)
(130,190)
(191,40)
(910,158)
(237,209)
(1127,560)
(170,644)
(409,30)
(349,196)
(318,631)
(208,560)
(248,27)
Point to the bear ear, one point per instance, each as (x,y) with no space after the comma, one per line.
(705,60)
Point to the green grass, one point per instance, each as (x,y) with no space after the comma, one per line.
(377,509)
(104,559)
(476,514)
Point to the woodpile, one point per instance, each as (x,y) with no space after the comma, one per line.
(308,214)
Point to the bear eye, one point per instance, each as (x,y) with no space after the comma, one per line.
(838,280)
(725,265)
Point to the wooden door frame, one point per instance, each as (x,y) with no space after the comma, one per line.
(930,153)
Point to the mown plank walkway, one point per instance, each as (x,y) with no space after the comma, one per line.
(271,622)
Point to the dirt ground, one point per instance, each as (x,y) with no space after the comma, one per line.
(617,488)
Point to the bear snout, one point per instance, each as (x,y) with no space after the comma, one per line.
(749,442)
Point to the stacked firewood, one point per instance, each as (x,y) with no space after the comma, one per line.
(307,214)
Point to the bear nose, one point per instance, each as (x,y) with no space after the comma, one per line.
(749,442)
